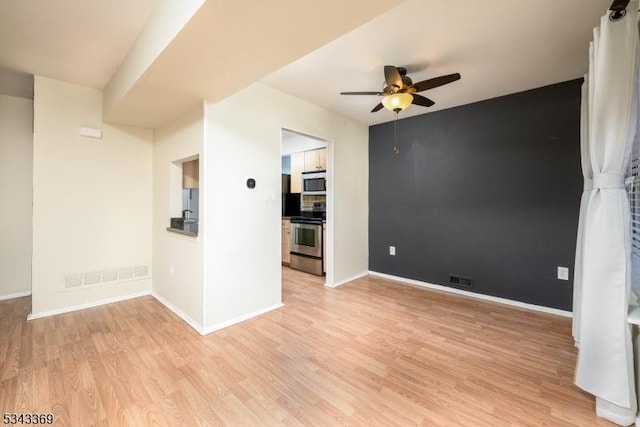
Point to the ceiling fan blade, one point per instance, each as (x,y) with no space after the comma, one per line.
(361,93)
(435,82)
(392,76)
(377,108)
(421,100)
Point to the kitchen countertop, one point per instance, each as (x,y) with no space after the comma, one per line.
(181,231)
(188,227)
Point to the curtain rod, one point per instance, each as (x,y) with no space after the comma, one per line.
(618,7)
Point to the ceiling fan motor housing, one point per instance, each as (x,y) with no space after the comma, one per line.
(399,90)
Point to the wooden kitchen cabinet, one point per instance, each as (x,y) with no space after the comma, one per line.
(286,241)
(191,174)
(322,159)
(306,161)
(297,167)
(315,160)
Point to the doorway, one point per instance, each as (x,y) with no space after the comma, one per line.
(307,192)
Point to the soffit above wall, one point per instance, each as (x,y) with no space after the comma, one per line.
(227,46)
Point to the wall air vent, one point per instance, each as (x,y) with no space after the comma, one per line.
(142,270)
(460,281)
(92,278)
(73,281)
(125,273)
(109,276)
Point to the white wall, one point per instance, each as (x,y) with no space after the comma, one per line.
(16,166)
(177,259)
(91,199)
(242,238)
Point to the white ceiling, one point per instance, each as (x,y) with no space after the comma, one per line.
(294,142)
(16,83)
(76,41)
(498,46)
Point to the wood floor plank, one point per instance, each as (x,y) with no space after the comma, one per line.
(24,386)
(40,391)
(110,403)
(11,362)
(370,353)
(8,390)
(59,394)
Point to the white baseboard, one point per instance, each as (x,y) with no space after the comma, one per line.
(347,280)
(499,300)
(92,304)
(16,295)
(239,319)
(614,413)
(178,312)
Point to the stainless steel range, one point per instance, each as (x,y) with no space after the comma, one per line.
(306,244)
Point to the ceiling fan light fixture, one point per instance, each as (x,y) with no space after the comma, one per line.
(397,101)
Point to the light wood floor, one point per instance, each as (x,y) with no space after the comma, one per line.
(371,353)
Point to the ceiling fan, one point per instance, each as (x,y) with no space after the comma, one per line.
(399,91)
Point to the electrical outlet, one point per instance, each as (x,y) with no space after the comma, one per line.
(392,250)
(563,273)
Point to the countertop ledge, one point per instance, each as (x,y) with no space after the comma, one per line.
(179,231)
(634,315)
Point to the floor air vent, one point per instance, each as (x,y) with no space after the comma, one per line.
(460,281)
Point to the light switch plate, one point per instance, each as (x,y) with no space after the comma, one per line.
(392,250)
(563,273)
(91,132)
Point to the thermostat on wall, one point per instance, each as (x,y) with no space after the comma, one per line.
(91,132)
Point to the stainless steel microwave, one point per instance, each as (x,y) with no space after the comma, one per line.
(314,183)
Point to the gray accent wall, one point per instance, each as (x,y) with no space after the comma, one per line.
(488,191)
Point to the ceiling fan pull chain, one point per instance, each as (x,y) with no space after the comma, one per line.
(396,149)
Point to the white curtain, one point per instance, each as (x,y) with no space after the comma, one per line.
(587,173)
(605,357)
